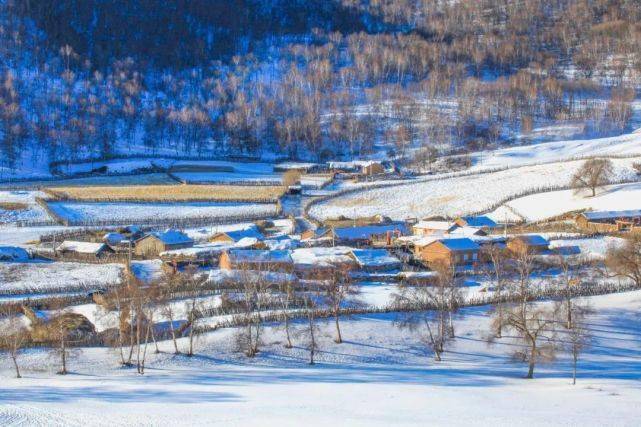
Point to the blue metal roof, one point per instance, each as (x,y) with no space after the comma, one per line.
(479,221)
(366,231)
(534,240)
(463,244)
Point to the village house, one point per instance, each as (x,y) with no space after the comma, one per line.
(482,222)
(528,243)
(377,234)
(84,250)
(233,236)
(375,260)
(154,243)
(261,260)
(321,261)
(610,221)
(424,228)
(458,251)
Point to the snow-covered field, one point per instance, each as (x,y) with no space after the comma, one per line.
(229,177)
(31,212)
(119,212)
(379,376)
(628,144)
(541,206)
(457,195)
(33,277)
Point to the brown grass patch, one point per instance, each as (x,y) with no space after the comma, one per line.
(173,193)
(14,206)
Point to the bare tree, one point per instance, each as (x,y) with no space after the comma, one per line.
(337,289)
(534,327)
(13,334)
(286,295)
(169,285)
(192,283)
(430,308)
(578,337)
(594,173)
(497,257)
(625,261)
(254,287)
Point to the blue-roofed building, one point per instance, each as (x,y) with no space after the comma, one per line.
(475,221)
(610,221)
(375,260)
(154,243)
(459,251)
(368,234)
(531,243)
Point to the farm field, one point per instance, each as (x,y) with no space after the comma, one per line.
(457,195)
(21,206)
(32,277)
(123,212)
(377,363)
(542,206)
(177,193)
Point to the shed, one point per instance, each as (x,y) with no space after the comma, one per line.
(366,234)
(610,221)
(375,259)
(84,249)
(423,228)
(233,236)
(456,251)
(475,221)
(531,243)
(154,243)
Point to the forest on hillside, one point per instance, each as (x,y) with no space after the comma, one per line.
(308,79)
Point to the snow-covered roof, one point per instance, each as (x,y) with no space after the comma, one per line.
(533,240)
(467,231)
(113,238)
(375,258)
(366,231)
(322,257)
(282,244)
(209,249)
(479,221)
(435,225)
(81,247)
(259,256)
(462,244)
(236,235)
(598,215)
(12,253)
(354,164)
(173,237)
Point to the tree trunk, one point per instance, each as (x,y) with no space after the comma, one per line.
(339,337)
(173,334)
(532,361)
(63,356)
(574,368)
(289,339)
(312,343)
(15,365)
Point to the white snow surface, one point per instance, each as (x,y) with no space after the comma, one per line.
(541,206)
(458,195)
(130,212)
(379,376)
(45,276)
(33,211)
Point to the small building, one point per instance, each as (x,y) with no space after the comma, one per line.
(483,222)
(372,168)
(375,260)
(154,243)
(258,260)
(424,228)
(233,236)
(113,238)
(530,243)
(13,253)
(459,251)
(88,250)
(380,234)
(610,221)
(467,231)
